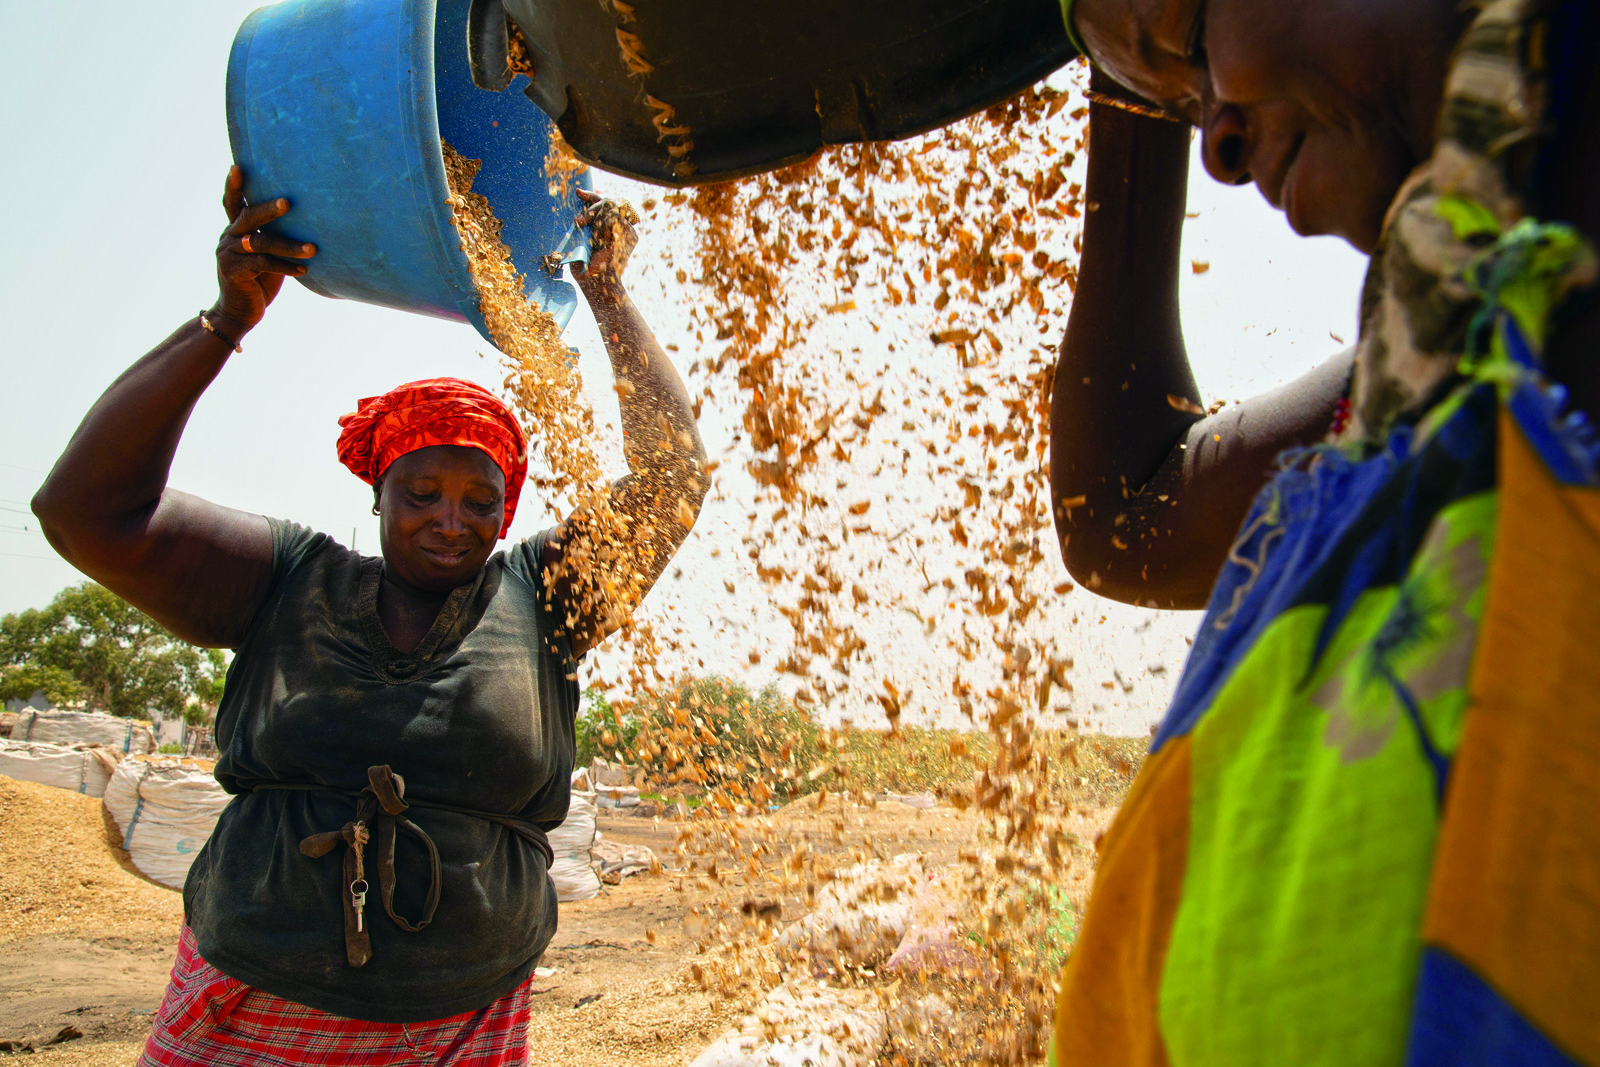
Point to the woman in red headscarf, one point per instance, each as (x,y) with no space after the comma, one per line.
(397,730)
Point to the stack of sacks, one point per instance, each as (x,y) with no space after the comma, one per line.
(573,842)
(125,736)
(84,769)
(166,810)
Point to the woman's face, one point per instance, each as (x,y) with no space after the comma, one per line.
(440,511)
(1326,105)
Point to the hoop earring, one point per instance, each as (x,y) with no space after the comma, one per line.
(375,510)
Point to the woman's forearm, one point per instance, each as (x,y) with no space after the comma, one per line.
(115,467)
(1148,491)
(113,472)
(1112,425)
(660,497)
(658,418)
(198,568)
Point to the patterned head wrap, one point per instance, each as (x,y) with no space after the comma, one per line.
(436,411)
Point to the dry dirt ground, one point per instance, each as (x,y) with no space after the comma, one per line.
(86,943)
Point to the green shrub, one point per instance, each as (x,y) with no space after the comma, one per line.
(713,732)
(601,732)
(1060,925)
(706,733)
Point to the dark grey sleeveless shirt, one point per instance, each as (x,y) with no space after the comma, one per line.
(480,716)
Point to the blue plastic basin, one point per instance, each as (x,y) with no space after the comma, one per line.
(339,105)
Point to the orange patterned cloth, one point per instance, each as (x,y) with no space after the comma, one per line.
(435,411)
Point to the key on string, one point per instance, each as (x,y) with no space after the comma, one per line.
(358,900)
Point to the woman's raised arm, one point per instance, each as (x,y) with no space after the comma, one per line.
(660,497)
(1148,493)
(199,569)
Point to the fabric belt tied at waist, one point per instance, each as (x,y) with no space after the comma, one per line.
(382,804)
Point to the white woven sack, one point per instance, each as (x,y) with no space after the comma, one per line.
(82,770)
(616,796)
(127,736)
(573,870)
(602,772)
(166,812)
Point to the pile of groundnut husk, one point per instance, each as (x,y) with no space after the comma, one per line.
(961,245)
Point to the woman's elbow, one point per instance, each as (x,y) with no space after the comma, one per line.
(51,507)
(59,520)
(1106,565)
(1098,573)
(79,523)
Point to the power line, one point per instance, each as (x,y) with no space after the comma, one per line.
(19,555)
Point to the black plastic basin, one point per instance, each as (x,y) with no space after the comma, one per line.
(682,92)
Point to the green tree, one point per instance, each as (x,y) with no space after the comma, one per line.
(93,646)
(713,732)
(205,679)
(599,731)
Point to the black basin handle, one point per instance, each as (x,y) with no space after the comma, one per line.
(486,45)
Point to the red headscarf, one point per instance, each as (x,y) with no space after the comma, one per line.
(436,411)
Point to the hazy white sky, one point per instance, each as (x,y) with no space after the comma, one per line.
(112,115)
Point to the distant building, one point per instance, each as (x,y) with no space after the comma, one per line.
(169,731)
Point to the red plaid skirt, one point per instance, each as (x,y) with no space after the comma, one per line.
(210,1020)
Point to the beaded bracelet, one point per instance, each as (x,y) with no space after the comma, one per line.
(1132,108)
(219,335)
